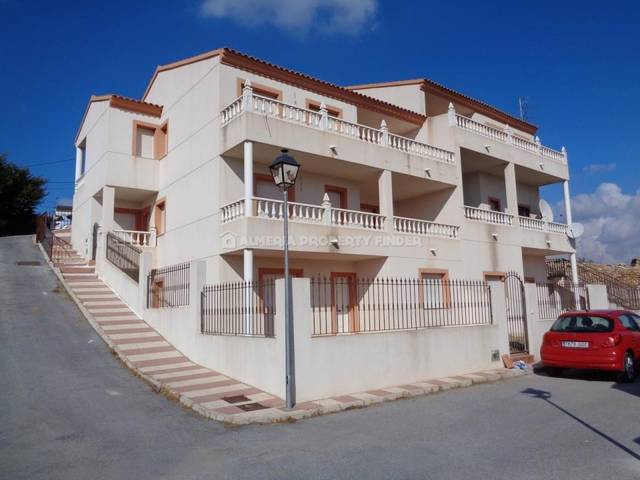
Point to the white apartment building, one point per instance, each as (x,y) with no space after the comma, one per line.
(402,179)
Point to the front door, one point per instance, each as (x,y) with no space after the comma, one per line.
(516,313)
(344,302)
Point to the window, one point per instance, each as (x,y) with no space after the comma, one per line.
(264,187)
(369,208)
(629,323)
(331,111)
(160,215)
(337,196)
(524,210)
(435,291)
(150,141)
(582,324)
(494,204)
(261,90)
(494,276)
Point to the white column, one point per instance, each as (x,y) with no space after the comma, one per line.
(78,163)
(248,178)
(385,197)
(248,265)
(248,292)
(108,206)
(511,189)
(569,219)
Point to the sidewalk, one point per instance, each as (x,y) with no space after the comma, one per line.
(210,393)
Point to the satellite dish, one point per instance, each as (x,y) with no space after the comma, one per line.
(575,230)
(545,210)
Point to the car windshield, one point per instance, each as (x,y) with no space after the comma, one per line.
(582,323)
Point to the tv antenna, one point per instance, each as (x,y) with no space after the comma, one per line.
(523,106)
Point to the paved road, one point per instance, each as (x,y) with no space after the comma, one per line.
(69,410)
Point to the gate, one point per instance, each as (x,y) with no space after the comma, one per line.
(516,313)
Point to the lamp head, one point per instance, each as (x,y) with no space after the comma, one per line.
(284,170)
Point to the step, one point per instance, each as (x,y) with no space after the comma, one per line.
(81,277)
(78,269)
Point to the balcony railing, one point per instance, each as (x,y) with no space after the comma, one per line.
(321,120)
(425,227)
(137,238)
(505,136)
(328,215)
(488,216)
(298,212)
(542,225)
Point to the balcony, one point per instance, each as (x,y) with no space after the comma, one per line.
(321,121)
(506,136)
(542,225)
(325,214)
(488,216)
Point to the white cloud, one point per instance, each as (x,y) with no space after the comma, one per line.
(599,168)
(297,16)
(611,222)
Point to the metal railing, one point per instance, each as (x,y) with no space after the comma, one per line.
(123,256)
(241,308)
(56,248)
(168,287)
(554,299)
(359,305)
(618,292)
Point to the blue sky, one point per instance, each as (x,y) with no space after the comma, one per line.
(577,62)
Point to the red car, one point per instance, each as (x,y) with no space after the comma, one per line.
(594,340)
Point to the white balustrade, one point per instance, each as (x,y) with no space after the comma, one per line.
(532,223)
(232,111)
(232,211)
(322,121)
(542,225)
(557,227)
(553,154)
(424,227)
(298,212)
(525,144)
(136,237)
(488,216)
(357,219)
(505,136)
(421,149)
(480,128)
(355,130)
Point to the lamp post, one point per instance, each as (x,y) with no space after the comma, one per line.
(284,170)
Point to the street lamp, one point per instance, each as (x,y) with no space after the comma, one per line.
(284,170)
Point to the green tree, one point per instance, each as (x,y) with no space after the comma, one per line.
(20,194)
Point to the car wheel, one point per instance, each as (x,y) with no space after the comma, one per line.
(554,371)
(629,366)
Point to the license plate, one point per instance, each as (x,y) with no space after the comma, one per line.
(575,344)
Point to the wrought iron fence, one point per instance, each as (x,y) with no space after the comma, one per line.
(124,256)
(241,308)
(348,304)
(555,298)
(56,248)
(168,286)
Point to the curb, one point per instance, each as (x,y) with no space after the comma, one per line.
(320,407)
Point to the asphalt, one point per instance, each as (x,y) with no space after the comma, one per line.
(70,410)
